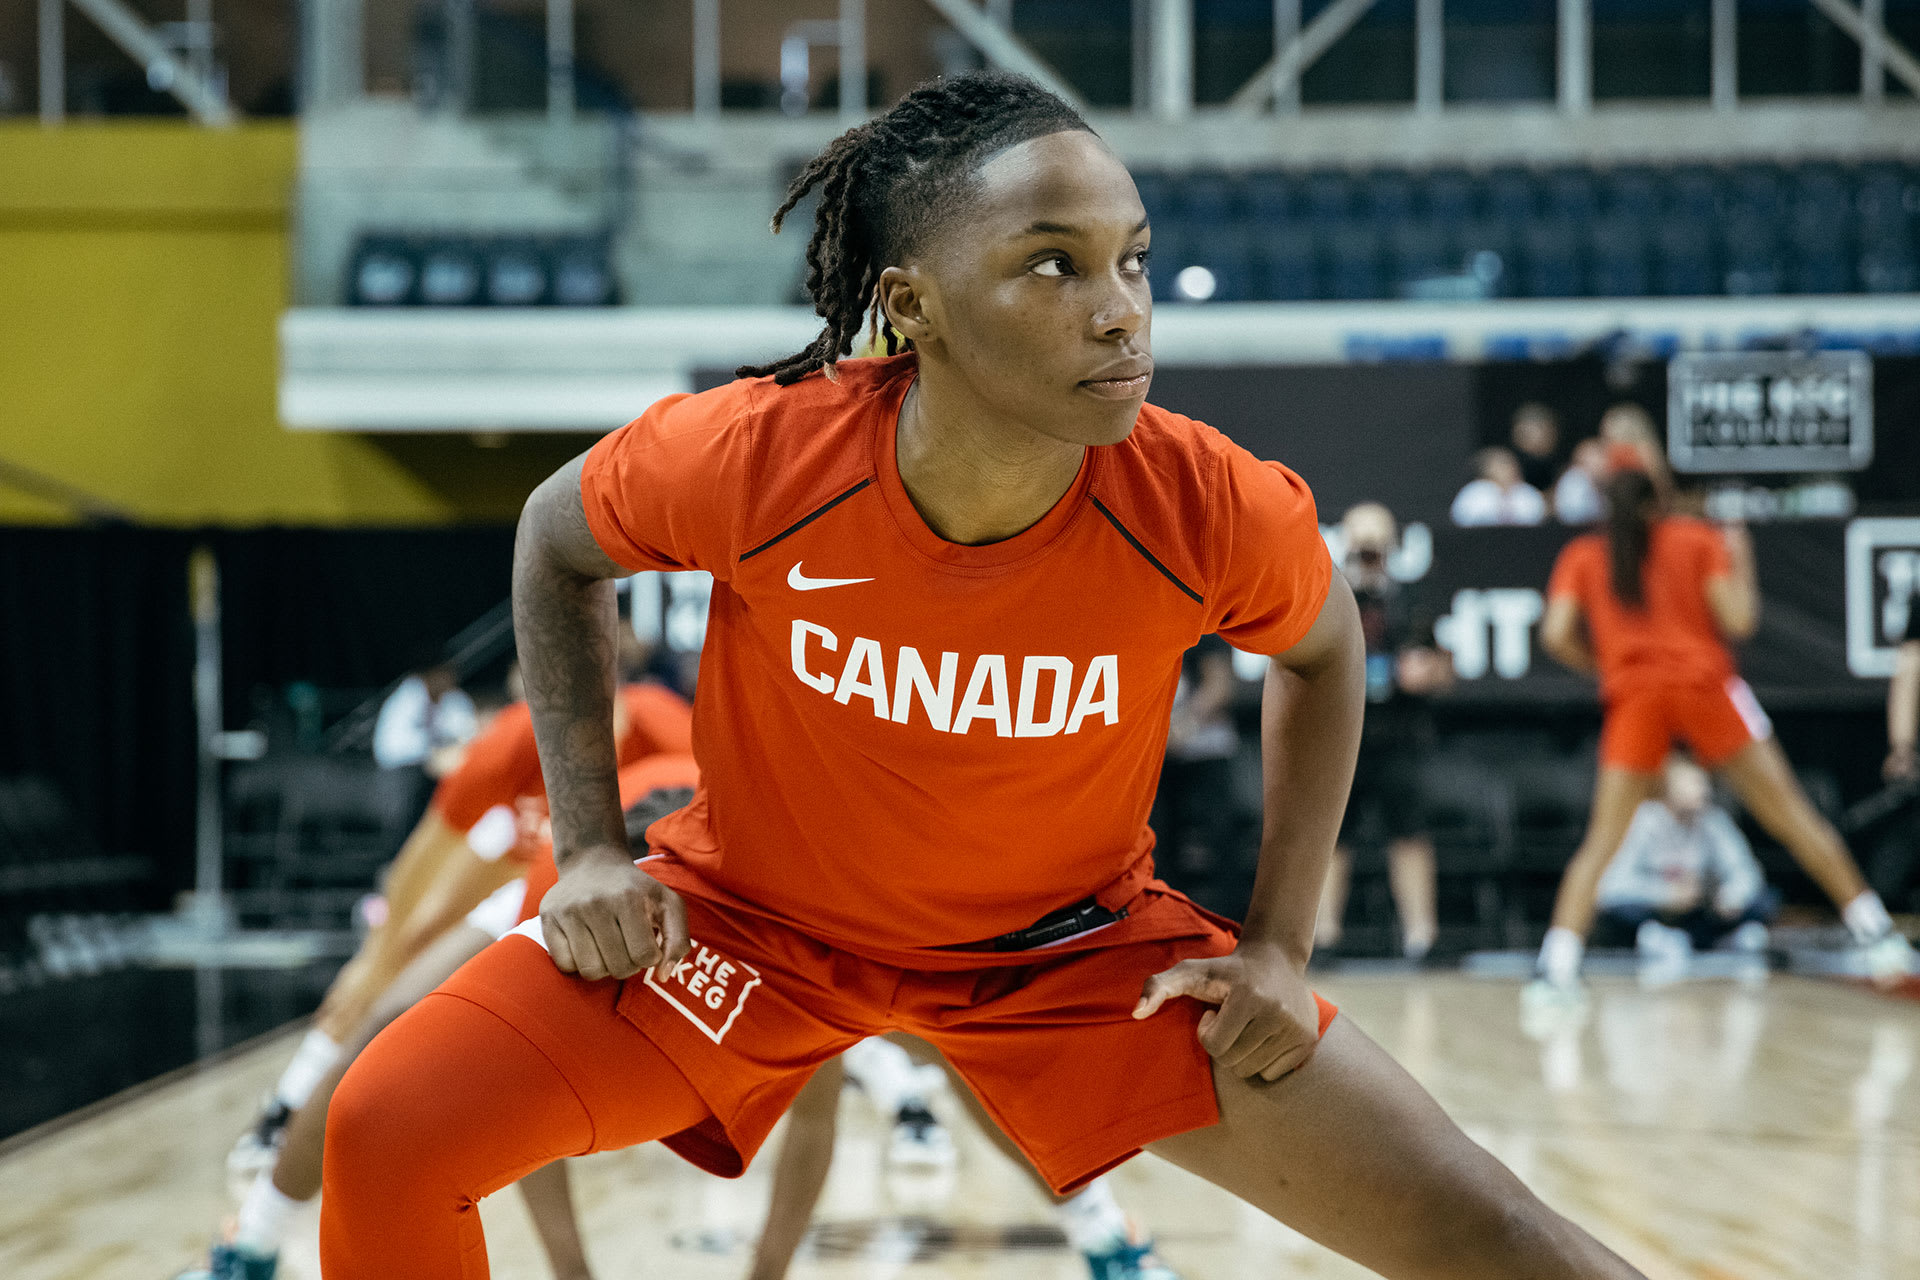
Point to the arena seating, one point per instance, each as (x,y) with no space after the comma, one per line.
(401,269)
(1633,231)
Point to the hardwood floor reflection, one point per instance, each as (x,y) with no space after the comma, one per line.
(1707,1130)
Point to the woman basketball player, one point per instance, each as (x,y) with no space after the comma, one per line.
(1660,596)
(952,588)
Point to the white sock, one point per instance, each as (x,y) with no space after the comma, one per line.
(1866,918)
(886,1072)
(1092,1218)
(1560,954)
(263,1216)
(313,1059)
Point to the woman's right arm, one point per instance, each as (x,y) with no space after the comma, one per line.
(604,918)
(1734,597)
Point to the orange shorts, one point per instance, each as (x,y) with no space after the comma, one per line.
(1714,720)
(1051,1047)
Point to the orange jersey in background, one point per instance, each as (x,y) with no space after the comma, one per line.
(502,765)
(1674,639)
(637,780)
(906,743)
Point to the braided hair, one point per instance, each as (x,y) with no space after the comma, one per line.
(886,184)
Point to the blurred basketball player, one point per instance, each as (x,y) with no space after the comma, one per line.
(462,850)
(651,788)
(1903,705)
(1660,596)
(1092,1220)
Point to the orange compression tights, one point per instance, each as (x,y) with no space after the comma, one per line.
(467,1092)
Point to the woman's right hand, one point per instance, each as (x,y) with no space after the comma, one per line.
(606,918)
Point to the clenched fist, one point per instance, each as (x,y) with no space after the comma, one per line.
(606,918)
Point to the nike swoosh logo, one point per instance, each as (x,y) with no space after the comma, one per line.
(801,582)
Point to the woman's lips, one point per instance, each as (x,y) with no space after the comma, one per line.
(1118,388)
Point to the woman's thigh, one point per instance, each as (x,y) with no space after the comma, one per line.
(1351,1151)
(509,1065)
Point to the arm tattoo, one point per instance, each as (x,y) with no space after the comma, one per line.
(564,625)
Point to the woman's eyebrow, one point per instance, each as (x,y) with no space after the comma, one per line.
(1062,229)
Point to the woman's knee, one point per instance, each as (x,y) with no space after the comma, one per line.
(450,1092)
(1502,1231)
(369,1133)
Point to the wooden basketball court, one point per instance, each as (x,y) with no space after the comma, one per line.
(1708,1130)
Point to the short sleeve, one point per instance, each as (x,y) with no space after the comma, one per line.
(1271,567)
(666,491)
(500,766)
(1565,581)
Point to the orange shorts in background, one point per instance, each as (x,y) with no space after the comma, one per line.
(1050,1047)
(1715,720)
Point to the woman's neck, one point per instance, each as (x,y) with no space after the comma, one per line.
(974,479)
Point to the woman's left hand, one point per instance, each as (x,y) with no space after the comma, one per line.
(1267,1023)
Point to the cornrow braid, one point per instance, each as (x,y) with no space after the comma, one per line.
(886,185)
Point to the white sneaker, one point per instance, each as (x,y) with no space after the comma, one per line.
(1664,953)
(258,1149)
(1549,1008)
(1889,959)
(919,1140)
(1751,937)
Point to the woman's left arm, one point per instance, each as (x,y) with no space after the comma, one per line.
(1310,717)
(1267,1022)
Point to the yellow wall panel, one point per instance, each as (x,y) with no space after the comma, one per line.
(143,269)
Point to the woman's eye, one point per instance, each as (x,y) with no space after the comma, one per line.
(1054,266)
(1139,259)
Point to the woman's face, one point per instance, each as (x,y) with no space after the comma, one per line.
(1036,294)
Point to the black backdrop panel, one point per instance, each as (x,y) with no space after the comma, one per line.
(96,649)
(96,657)
(1796,660)
(1394,433)
(350,608)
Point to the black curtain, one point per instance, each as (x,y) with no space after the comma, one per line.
(96,651)
(96,660)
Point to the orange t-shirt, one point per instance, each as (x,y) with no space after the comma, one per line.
(1673,640)
(502,765)
(907,743)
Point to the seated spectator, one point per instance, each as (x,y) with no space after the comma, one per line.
(421,735)
(1685,877)
(1499,495)
(424,722)
(1536,444)
(1577,495)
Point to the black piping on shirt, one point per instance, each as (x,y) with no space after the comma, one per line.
(806,520)
(1135,542)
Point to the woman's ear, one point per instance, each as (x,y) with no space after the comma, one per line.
(903,301)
